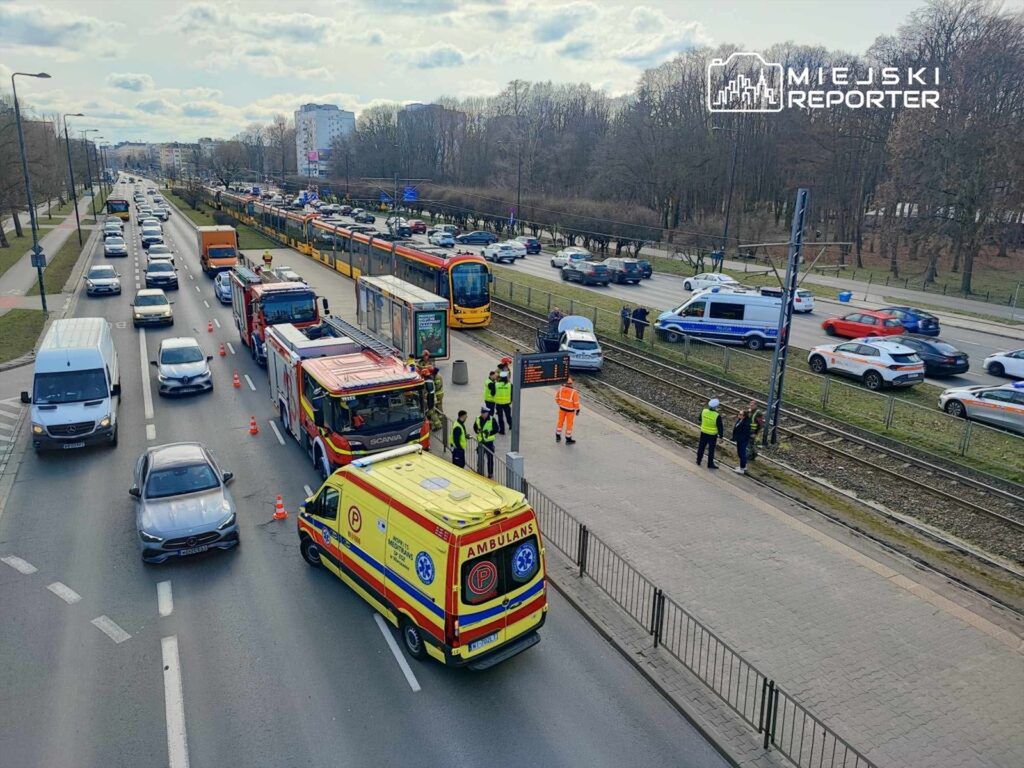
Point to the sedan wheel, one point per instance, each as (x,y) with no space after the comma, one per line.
(956,408)
(688,285)
(818,364)
(830,330)
(873,380)
(996,369)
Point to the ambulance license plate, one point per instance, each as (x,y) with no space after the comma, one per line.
(80,444)
(193,550)
(476,645)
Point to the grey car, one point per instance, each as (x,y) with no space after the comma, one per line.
(182,368)
(182,504)
(102,279)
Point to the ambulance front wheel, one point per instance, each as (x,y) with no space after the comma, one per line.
(310,552)
(413,640)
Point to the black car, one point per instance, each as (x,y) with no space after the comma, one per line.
(646,270)
(532,243)
(624,270)
(365,218)
(161,274)
(940,358)
(586,272)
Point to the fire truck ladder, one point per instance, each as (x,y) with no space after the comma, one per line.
(339,327)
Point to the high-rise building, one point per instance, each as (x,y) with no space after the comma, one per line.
(316,127)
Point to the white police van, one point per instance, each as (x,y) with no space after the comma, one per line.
(725,316)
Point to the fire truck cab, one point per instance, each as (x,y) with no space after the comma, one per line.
(345,394)
(257,305)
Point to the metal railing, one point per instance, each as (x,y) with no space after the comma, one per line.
(928,429)
(758,700)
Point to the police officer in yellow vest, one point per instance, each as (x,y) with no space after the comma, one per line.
(458,440)
(503,399)
(484,429)
(710,430)
(490,389)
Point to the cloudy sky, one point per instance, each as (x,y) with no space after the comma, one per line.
(158,71)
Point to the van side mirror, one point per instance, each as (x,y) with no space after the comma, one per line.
(209,358)
(227,477)
(318,418)
(115,391)
(25,398)
(154,363)
(134,491)
(327,308)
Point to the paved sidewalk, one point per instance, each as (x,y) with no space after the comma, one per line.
(904,673)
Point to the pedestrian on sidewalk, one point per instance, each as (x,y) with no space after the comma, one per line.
(490,389)
(568,400)
(625,314)
(503,399)
(710,430)
(640,322)
(458,440)
(484,429)
(741,436)
(756,425)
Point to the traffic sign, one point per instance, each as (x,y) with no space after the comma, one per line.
(37,248)
(39,260)
(410,194)
(540,369)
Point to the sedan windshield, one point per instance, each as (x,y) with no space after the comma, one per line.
(115,241)
(160,266)
(179,355)
(176,481)
(150,300)
(158,248)
(101,273)
(70,386)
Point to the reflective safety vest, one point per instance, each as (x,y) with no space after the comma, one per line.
(488,397)
(502,392)
(568,399)
(459,436)
(485,429)
(709,422)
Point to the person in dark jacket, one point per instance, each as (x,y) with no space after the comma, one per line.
(626,315)
(639,322)
(741,436)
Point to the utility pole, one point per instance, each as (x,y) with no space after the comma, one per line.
(777,376)
(88,167)
(732,181)
(71,171)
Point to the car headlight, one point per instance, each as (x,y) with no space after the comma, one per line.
(38,429)
(149,537)
(228,523)
(105,421)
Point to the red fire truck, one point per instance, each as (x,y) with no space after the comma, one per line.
(344,394)
(257,305)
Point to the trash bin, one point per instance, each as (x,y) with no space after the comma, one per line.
(460,372)
(845,296)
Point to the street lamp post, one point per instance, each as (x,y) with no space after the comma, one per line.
(88,168)
(732,180)
(36,250)
(71,171)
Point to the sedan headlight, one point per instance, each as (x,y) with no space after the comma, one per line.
(228,523)
(149,537)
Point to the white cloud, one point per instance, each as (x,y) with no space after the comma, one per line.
(557,22)
(201,109)
(155,106)
(644,19)
(130,82)
(651,50)
(434,56)
(37,26)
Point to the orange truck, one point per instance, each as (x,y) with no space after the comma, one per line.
(218,248)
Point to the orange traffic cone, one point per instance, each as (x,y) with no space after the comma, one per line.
(223,352)
(235,381)
(209,326)
(280,513)
(253,429)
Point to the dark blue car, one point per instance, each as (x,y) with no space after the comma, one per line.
(915,320)
(477,237)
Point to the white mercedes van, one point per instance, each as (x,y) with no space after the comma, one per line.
(724,316)
(76,387)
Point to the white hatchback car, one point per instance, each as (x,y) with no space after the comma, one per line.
(1001,406)
(572,253)
(1006,364)
(876,363)
(708,280)
(498,252)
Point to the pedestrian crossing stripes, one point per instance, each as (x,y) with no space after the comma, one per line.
(10,413)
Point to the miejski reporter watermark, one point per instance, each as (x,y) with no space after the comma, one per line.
(745,82)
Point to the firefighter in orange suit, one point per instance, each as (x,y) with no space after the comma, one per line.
(568,400)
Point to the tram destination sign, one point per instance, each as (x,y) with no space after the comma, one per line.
(540,369)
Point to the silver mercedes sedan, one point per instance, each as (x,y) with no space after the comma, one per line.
(182,504)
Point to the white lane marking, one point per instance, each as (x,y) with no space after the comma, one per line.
(249,382)
(231,349)
(197,289)
(174,704)
(191,276)
(164,598)
(5,427)
(308,490)
(393,645)
(137,285)
(147,393)
(277,433)
(21,566)
(64,592)
(151,431)
(215,320)
(107,626)
(206,303)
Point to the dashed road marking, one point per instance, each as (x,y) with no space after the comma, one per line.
(249,382)
(308,490)
(206,303)
(21,566)
(164,598)
(393,645)
(151,431)
(174,704)
(109,627)
(192,277)
(147,393)
(277,432)
(215,320)
(231,349)
(197,289)
(64,592)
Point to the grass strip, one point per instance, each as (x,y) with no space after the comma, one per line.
(59,268)
(19,330)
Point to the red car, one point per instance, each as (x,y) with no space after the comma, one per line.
(866,323)
(418,226)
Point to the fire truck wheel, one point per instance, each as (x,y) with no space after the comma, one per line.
(322,465)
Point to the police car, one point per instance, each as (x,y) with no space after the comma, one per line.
(874,362)
(1001,406)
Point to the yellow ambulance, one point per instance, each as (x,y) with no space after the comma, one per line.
(455,561)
